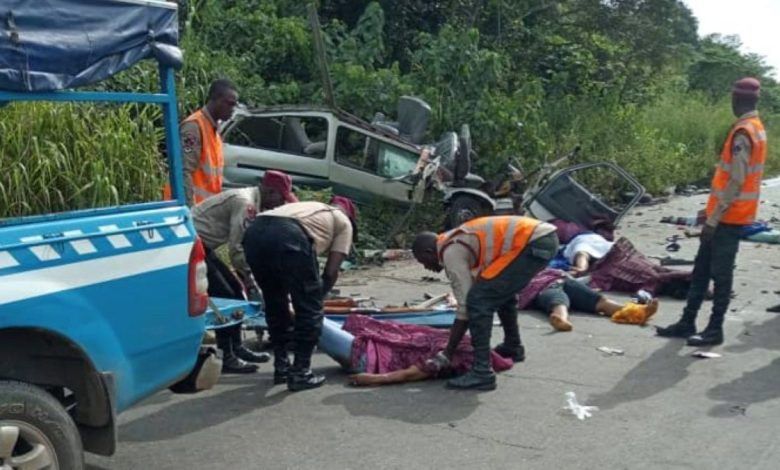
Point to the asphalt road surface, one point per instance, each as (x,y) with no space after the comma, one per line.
(659,406)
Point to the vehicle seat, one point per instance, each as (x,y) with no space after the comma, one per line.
(412,124)
(413,116)
(295,140)
(380,122)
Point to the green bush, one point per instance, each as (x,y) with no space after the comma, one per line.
(532,81)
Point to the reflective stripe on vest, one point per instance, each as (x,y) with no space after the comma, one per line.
(758,168)
(207,177)
(751,196)
(501,239)
(744,208)
(211,170)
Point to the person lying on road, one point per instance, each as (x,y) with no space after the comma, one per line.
(584,249)
(555,292)
(381,352)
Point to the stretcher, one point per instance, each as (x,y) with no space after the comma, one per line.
(223,313)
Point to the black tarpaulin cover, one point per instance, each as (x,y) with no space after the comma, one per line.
(56,44)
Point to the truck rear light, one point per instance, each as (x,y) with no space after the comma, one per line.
(198,283)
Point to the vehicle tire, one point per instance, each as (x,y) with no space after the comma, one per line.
(464,208)
(35,429)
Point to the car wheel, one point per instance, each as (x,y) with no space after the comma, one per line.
(464,208)
(35,431)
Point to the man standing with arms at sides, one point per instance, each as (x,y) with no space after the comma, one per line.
(203,164)
(733,203)
(488,261)
(202,145)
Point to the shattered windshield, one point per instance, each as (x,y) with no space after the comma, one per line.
(395,162)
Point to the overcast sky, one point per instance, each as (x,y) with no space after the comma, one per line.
(756,22)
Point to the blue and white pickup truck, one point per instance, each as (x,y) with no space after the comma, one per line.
(99,308)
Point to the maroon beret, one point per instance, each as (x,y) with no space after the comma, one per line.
(747,86)
(346,205)
(281,182)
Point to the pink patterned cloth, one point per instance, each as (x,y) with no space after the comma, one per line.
(388,346)
(540,282)
(625,269)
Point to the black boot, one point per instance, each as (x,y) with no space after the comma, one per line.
(708,337)
(517,353)
(281,365)
(681,329)
(300,376)
(481,376)
(250,356)
(244,353)
(303,380)
(712,335)
(280,342)
(231,364)
(512,347)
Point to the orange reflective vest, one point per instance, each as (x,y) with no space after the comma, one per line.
(501,239)
(207,177)
(744,208)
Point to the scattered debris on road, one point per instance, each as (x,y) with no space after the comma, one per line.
(611,351)
(580,411)
(706,355)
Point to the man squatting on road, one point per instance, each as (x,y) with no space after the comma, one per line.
(488,261)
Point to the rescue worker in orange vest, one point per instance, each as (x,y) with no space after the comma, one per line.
(488,261)
(202,145)
(203,164)
(733,203)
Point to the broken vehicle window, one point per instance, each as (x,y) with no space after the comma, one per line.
(587,194)
(298,135)
(359,150)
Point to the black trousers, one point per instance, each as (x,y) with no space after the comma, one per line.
(223,283)
(715,260)
(486,296)
(569,292)
(284,264)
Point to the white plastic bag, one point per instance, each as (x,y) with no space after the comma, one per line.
(580,411)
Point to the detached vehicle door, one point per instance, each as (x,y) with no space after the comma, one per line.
(365,164)
(587,193)
(295,142)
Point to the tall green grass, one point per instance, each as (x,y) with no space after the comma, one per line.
(673,140)
(57,157)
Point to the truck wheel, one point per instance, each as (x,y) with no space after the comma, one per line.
(464,208)
(35,431)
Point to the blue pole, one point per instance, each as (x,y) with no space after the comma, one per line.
(173,145)
(69,96)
